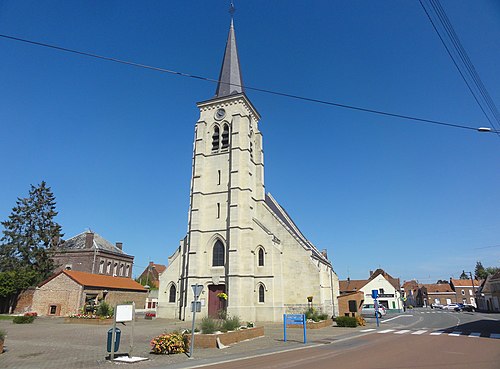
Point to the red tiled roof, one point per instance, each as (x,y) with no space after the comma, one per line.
(352,285)
(465,282)
(160,267)
(438,288)
(104,281)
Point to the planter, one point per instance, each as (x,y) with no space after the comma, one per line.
(88,321)
(228,338)
(312,325)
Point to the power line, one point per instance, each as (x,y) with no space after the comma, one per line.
(439,12)
(292,96)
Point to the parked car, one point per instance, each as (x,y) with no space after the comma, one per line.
(369,310)
(451,306)
(465,307)
(436,306)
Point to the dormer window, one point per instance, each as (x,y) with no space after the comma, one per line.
(215,139)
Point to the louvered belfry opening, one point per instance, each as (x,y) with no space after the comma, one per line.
(225,137)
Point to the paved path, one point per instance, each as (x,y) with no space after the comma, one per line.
(51,343)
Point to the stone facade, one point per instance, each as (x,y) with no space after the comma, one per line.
(240,241)
(60,296)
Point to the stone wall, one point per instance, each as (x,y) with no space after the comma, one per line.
(62,293)
(119,297)
(24,301)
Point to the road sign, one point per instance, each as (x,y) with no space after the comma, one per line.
(197,288)
(294,319)
(197,305)
(374,294)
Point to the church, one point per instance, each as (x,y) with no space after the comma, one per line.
(241,245)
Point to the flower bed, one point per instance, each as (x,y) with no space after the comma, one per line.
(312,325)
(228,338)
(88,319)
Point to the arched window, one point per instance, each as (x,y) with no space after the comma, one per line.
(101,267)
(115,269)
(171,294)
(261,256)
(225,137)
(261,293)
(218,254)
(127,270)
(215,139)
(108,268)
(121,270)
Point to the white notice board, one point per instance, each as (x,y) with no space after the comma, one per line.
(124,313)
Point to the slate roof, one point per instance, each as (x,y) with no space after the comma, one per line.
(102,281)
(282,215)
(78,243)
(230,81)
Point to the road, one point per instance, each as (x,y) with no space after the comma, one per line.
(420,339)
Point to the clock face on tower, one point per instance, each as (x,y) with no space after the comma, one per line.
(220,113)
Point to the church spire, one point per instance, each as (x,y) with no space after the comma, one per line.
(230,81)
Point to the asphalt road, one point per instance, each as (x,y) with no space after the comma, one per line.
(420,339)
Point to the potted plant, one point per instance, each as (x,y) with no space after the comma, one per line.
(3,334)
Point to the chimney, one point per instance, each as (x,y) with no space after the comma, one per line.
(371,273)
(89,240)
(348,279)
(119,245)
(324,253)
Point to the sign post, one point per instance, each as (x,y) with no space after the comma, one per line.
(197,288)
(123,313)
(375,302)
(294,319)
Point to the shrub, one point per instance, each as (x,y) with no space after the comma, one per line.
(170,343)
(346,321)
(231,323)
(24,319)
(3,334)
(209,325)
(104,310)
(250,324)
(323,316)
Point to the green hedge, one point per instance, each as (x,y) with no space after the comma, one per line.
(23,319)
(346,321)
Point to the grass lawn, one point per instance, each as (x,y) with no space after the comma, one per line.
(6,317)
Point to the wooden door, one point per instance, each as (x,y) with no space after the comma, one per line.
(214,302)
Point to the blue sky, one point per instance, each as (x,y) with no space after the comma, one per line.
(115,142)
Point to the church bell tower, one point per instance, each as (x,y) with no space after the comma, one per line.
(226,185)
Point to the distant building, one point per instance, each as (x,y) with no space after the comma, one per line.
(388,287)
(151,275)
(488,296)
(89,252)
(464,290)
(415,294)
(70,292)
(440,293)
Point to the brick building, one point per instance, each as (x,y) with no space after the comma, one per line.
(465,290)
(441,293)
(89,252)
(151,275)
(69,291)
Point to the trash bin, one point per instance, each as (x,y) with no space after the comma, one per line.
(117,339)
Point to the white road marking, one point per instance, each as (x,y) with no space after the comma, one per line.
(396,317)
(368,330)
(437,333)
(455,334)
(387,331)
(402,332)
(495,335)
(475,334)
(419,332)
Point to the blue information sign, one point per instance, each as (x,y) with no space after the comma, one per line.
(294,319)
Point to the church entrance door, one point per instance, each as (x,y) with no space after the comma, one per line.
(215,303)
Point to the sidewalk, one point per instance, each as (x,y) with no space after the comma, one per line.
(51,343)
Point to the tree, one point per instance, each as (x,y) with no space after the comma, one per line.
(480,272)
(492,270)
(28,233)
(463,275)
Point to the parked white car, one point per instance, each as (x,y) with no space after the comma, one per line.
(451,307)
(369,310)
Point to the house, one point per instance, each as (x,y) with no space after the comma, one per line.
(69,292)
(465,290)
(240,243)
(388,287)
(439,293)
(151,275)
(414,294)
(89,252)
(488,296)
(350,303)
